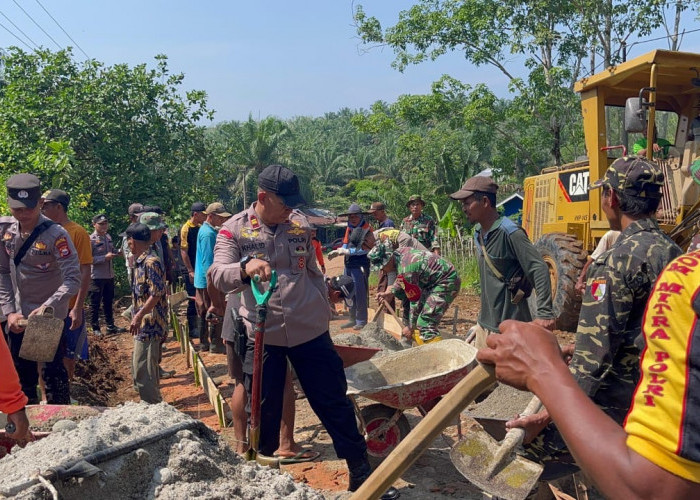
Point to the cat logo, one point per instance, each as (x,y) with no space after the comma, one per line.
(574,185)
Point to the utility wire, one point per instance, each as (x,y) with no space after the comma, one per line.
(590,72)
(18,38)
(37,25)
(64,31)
(20,30)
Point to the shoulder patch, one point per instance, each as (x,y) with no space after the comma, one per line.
(598,288)
(62,247)
(226,234)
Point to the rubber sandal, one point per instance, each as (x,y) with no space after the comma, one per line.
(301,457)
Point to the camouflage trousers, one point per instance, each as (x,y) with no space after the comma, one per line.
(433,304)
(549,449)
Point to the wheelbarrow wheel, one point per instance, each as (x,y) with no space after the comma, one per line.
(381,440)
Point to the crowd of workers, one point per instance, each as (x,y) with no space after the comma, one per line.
(629,365)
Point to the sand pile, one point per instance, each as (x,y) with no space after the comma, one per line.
(190,463)
(372,335)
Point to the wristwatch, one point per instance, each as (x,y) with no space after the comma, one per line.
(244,262)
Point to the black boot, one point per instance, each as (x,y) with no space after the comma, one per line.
(192,325)
(203,333)
(359,470)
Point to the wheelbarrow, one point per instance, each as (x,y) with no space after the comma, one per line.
(403,380)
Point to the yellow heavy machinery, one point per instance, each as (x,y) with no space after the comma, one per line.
(563,220)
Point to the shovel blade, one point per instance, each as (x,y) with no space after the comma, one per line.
(473,454)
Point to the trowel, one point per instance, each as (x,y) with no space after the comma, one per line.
(495,467)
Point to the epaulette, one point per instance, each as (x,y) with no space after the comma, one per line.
(7,219)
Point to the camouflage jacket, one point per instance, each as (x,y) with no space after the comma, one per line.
(618,283)
(421,228)
(420,271)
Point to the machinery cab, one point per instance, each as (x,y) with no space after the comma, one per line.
(559,215)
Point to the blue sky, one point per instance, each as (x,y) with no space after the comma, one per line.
(271,57)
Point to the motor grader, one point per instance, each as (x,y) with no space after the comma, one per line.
(563,219)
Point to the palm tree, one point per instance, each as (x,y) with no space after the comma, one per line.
(251,146)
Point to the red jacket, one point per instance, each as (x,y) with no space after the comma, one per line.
(12,399)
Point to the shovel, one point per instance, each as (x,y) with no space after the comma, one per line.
(404,342)
(261,299)
(419,439)
(494,467)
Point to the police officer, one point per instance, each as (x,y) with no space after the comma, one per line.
(429,282)
(605,359)
(269,235)
(38,267)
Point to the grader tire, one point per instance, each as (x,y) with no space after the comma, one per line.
(565,258)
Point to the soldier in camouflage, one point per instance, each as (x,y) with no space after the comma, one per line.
(605,359)
(418,224)
(428,281)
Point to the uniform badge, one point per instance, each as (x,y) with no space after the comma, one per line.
(300,249)
(301,262)
(62,247)
(412,291)
(40,245)
(247,232)
(296,230)
(598,288)
(22,194)
(254,222)
(6,236)
(43,267)
(226,234)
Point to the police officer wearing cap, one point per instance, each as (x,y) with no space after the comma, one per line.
(38,267)
(102,275)
(605,360)
(269,235)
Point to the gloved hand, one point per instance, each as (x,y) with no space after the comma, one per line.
(336,253)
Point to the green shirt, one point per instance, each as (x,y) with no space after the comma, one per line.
(510,249)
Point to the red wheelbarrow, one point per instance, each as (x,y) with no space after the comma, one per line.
(403,380)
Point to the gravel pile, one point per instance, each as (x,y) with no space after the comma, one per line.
(190,463)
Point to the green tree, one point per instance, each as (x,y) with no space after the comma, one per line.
(109,135)
(250,147)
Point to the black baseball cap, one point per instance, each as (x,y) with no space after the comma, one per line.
(198,206)
(59,196)
(99,218)
(23,191)
(283,182)
(138,231)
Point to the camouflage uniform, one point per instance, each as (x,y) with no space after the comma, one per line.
(421,228)
(429,282)
(606,360)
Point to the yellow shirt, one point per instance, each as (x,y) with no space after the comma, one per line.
(663,424)
(81,241)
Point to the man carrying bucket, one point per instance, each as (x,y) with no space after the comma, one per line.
(38,267)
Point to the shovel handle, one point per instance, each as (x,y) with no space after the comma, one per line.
(420,438)
(514,438)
